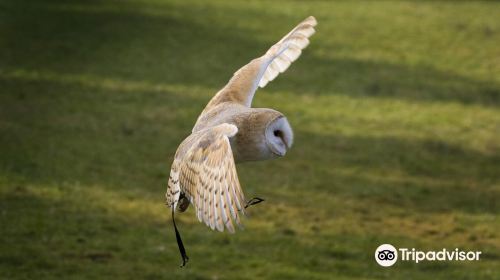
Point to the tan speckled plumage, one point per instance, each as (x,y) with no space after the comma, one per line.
(229,130)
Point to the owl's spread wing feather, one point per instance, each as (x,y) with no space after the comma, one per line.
(260,71)
(204,171)
(287,50)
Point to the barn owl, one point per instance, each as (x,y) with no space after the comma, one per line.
(229,130)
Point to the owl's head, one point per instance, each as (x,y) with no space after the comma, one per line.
(279,136)
(262,134)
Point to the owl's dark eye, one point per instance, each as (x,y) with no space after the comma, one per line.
(277,133)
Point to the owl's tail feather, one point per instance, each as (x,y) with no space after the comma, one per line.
(182,250)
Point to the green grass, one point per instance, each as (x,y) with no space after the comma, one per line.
(395,107)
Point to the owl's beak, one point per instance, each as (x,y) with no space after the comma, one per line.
(288,146)
(280,154)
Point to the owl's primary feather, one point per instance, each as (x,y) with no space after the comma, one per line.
(203,172)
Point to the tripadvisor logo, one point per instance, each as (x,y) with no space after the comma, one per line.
(387,255)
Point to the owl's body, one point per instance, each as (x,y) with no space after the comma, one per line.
(229,130)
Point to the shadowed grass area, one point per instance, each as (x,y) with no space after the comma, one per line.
(395,107)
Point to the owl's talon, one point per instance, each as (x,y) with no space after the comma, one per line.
(253,201)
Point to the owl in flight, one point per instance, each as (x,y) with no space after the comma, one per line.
(229,130)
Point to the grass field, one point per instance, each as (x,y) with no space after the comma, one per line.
(395,107)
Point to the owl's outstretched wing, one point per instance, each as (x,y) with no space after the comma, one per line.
(204,171)
(260,71)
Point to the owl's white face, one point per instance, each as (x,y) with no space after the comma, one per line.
(279,136)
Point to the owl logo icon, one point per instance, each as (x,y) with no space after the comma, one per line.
(386,255)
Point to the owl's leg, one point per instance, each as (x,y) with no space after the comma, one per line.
(253,201)
(183,203)
(182,250)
